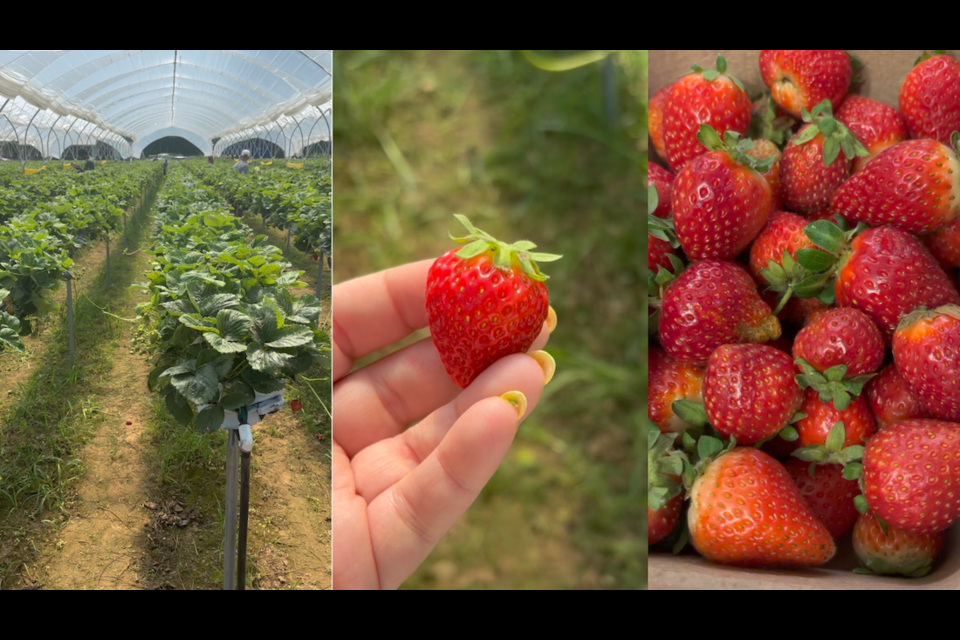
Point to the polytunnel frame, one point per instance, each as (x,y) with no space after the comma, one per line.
(260,133)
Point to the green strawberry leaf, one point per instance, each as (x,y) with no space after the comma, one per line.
(831,149)
(210,419)
(653,198)
(789,434)
(861,504)
(811,286)
(692,412)
(815,260)
(835,373)
(708,446)
(826,235)
(853,471)
(836,437)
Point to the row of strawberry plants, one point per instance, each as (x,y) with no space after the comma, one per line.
(295,200)
(220,320)
(36,244)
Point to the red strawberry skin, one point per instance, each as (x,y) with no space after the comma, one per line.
(805,78)
(911,474)
(891,399)
(783,232)
(763,148)
(859,424)
(805,184)
(663,180)
(719,206)
(655,110)
(479,314)
(890,273)
(944,244)
(693,101)
(828,494)
(926,350)
(662,522)
(914,184)
(841,336)
(657,253)
(713,303)
(897,550)
(746,510)
(749,391)
(875,124)
(930,98)
(668,381)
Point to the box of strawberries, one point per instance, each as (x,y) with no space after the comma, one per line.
(804,382)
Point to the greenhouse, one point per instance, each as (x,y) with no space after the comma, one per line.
(165,274)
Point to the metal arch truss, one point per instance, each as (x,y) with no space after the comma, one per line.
(288,135)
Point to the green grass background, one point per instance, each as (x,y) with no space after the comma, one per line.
(560,159)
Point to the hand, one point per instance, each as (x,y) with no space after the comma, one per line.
(397,491)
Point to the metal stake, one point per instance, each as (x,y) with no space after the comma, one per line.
(108,259)
(244,515)
(125,230)
(68,276)
(230,515)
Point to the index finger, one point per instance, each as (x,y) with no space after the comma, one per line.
(375,311)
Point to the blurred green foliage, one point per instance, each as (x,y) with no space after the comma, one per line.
(560,159)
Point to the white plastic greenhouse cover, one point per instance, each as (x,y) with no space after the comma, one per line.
(135,96)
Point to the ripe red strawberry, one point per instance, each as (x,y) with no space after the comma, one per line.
(720,202)
(745,510)
(930,98)
(296,406)
(926,350)
(944,244)
(875,124)
(828,494)
(893,551)
(914,184)
(664,490)
(702,97)
(885,272)
(658,252)
(655,110)
(749,391)
(763,148)
(842,336)
(817,160)
(891,399)
(782,233)
(797,311)
(713,303)
(802,79)
(662,179)
(814,427)
(911,475)
(670,380)
(485,300)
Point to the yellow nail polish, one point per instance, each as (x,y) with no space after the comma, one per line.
(547,363)
(551,319)
(518,400)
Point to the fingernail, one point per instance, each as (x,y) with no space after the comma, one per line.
(518,400)
(547,363)
(551,319)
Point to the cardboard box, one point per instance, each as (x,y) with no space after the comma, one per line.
(883,73)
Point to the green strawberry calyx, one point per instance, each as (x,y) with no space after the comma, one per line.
(506,257)
(833,385)
(765,123)
(833,249)
(836,136)
(664,467)
(712,74)
(736,146)
(922,313)
(833,452)
(926,55)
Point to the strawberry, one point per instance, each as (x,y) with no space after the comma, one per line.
(485,300)
(662,179)
(885,272)
(771,122)
(828,494)
(655,110)
(914,184)
(763,148)
(875,124)
(745,510)
(926,350)
(670,380)
(702,97)
(796,311)
(944,244)
(911,475)
(773,254)
(820,417)
(664,490)
(891,399)
(930,98)
(801,79)
(886,551)
(749,392)
(817,160)
(710,304)
(720,200)
(841,337)
(296,406)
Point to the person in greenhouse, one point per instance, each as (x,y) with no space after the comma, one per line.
(243,166)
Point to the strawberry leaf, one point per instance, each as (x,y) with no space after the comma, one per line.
(691,412)
(861,503)
(789,434)
(836,437)
(815,260)
(826,235)
(853,471)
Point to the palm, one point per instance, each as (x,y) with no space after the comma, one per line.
(398,490)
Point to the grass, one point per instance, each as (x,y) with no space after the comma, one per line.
(43,431)
(558,158)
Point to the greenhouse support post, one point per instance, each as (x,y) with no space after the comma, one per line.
(230,513)
(319,274)
(108,259)
(68,276)
(124,230)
